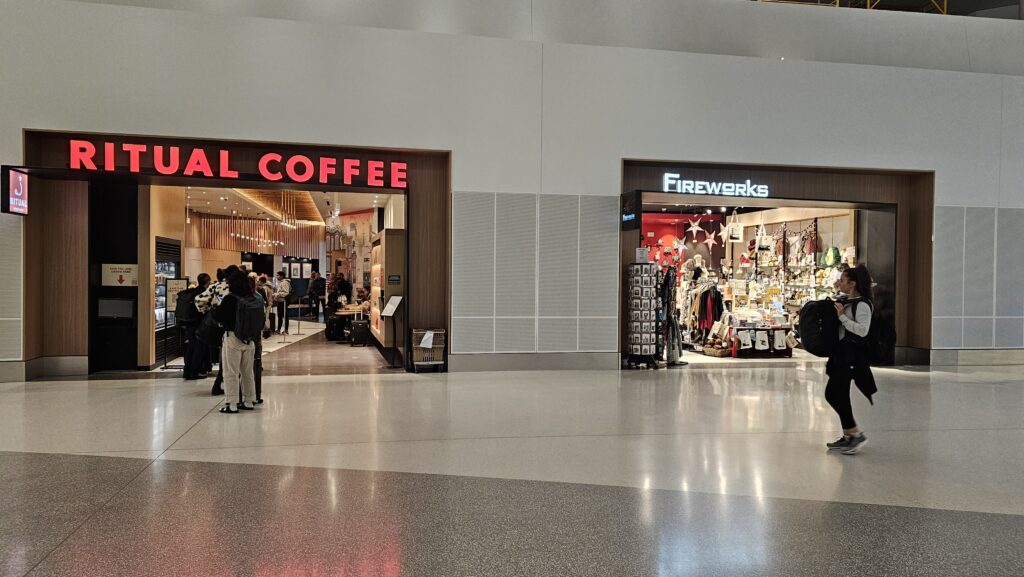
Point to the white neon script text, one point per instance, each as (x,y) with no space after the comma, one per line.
(673,183)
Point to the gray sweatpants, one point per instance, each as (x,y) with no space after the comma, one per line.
(238,358)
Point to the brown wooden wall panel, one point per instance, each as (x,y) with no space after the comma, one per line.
(920,254)
(911,193)
(429,236)
(56,297)
(146,352)
(32,280)
(250,235)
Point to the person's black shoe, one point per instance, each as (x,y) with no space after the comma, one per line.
(245,407)
(227,410)
(259,401)
(217,390)
(840,444)
(857,443)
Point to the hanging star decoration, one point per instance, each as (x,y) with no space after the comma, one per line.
(723,232)
(710,241)
(694,227)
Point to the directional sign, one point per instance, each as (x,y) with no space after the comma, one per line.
(120,274)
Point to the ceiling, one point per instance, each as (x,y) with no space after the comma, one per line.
(255,203)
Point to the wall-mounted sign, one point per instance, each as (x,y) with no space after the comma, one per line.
(394,279)
(15,191)
(632,208)
(223,162)
(120,274)
(672,182)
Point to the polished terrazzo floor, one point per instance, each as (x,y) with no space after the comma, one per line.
(702,471)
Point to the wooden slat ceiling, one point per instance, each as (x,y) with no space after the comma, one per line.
(270,201)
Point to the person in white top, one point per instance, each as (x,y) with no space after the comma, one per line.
(284,289)
(849,362)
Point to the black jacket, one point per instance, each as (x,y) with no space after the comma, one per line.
(318,286)
(849,360)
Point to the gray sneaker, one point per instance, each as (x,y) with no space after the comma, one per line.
(842,443)
(856,444)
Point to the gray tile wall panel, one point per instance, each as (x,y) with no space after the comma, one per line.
(598,335)
(472,255)
(978,333)
(599,255)
(10,340)
(1009,333)
(515,235)
(515,335)
(472,335)
(948,333)
(559,256)
(10,263)
(1010,274)
(948,295)
(979,262)
(557,335)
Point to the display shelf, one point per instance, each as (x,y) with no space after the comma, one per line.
(644,343)
(387,279)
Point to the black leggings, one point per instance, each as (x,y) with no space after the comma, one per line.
(837,392)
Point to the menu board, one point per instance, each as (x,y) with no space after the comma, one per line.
(175,286)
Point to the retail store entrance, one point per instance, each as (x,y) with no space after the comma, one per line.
(359,237)
(718,260)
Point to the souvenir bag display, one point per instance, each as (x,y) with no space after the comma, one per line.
(761,342)
(746,341)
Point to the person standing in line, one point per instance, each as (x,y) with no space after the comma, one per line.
(344,288)
(237,354)
(208,301)
(269,288)
(196,354)
(284,291)
(267,292)
(317,289)
(262,291)
(849,361)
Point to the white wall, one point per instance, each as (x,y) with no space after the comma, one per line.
(520,117)
(735,27)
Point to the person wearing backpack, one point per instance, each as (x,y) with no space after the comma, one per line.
(850,360)
(242,315)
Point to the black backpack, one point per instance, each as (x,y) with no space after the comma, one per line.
(249,319)
(819,327)
(185,311)
(880,341)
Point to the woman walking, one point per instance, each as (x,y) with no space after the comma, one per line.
(849,362)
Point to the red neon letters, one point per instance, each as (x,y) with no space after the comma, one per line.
(201,162)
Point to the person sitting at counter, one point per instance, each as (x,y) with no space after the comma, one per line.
(363,300)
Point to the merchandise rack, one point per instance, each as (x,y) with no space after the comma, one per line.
(646,322)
